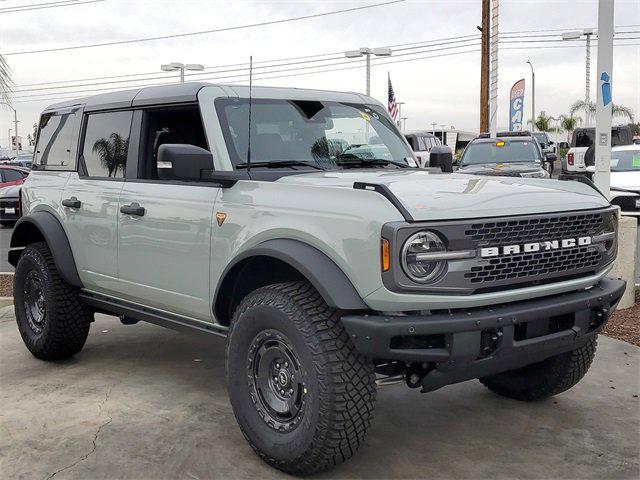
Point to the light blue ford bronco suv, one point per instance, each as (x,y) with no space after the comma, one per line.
(295,223)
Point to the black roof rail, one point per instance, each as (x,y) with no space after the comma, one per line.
(523,133)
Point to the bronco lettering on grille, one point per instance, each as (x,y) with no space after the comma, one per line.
(535,247)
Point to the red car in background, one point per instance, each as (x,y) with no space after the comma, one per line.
(10,175)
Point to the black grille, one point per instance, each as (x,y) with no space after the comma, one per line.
(527,230)
(534,264)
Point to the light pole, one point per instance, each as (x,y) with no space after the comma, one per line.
(367,52)
(433,128)
(404,123)
(576,35)
(604,78)
(15,123)
(181,67)
(399,104)
(9,144)
(533,97)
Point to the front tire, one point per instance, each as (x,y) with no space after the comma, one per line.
(301,393)
(52,320)
(544,379)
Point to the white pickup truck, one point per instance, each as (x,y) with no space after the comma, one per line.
(583,138)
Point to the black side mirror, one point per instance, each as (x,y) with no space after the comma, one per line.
(441,156)
(183,161)
(551,157)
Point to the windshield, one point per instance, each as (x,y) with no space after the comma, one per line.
(499,152)
(625,161)
(321,133)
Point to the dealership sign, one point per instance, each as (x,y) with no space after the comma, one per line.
(516,106)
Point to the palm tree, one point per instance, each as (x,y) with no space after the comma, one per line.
(589,108)
(568,123)
(112,152)
(543,122)
(5,81)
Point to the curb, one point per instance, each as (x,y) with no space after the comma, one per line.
(6,301)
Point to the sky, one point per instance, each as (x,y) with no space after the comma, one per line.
(444,90)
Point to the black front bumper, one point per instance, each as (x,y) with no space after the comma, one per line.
(459,345)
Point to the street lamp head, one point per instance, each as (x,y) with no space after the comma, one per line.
(169,68)
(353,54)
(575,35)
(194,66)
(382,52)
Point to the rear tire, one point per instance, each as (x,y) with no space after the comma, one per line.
(52,320)
(544,379)
(301,393)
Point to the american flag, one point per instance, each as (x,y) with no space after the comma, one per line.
(393,108)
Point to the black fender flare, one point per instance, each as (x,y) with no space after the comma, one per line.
(322,272)
(48,225)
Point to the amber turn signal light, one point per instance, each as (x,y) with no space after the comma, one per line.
(384,255)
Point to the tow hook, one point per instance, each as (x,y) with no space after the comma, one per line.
(416,372)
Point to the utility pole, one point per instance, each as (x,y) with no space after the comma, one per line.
(484,69)
(433,125)
(533,97)
(404,123)
(493,84)
(15,123)
(602,175)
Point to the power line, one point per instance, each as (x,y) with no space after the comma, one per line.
(243,66)
(340,53)
(203,32)
(41,6)
(353,67)
(207,75)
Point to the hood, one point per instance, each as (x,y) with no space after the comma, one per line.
(10,191)
(429,196)
(626,180)
(501,168)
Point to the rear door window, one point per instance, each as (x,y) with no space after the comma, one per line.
(56,141)
(106,143)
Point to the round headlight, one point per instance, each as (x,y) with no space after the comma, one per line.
(415,257)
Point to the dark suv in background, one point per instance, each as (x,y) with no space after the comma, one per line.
(510,154)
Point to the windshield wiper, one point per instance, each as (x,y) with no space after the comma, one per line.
(279,163)
(355,160)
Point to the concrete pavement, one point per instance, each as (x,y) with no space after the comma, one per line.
(148,403)
(5,240)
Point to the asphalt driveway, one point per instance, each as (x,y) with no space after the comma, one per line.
(148,403)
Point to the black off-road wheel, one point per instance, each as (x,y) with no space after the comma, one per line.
(544,379)
(52,320)
(301,393)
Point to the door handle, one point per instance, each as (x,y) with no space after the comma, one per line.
(72,202)
(134,209)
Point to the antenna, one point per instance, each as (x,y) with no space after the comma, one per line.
(249,122)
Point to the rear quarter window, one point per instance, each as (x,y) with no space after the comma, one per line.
(56,143)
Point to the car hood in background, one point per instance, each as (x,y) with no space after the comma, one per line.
(452,196)
(12,191)
(626,180)
(501,168)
